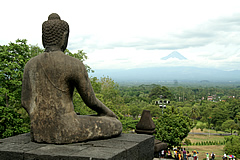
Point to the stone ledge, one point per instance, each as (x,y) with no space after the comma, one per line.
(126,146)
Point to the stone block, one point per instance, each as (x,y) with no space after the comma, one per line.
(125,147)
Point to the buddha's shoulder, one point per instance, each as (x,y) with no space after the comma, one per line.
(58,57)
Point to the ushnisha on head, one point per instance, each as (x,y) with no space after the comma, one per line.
(55,33)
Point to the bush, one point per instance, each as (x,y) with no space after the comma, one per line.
(128,124)
(201,126)
(232,146)
(173,127)
(187,141)
(11,123)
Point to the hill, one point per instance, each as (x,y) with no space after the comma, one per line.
(170,74)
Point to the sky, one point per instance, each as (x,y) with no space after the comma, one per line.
(130,34)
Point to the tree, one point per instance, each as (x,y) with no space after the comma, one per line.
(106,90)
(128,124)
(13,118)
(79,106)
(35,50)
(135,110)
(233,107)
(172,127)
(232,146)
(158,90)
(80,55)
(110,95)
(11,123)
(13,57)
(219,114)
(201,126)
(229,124)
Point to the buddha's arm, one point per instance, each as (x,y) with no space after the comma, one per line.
(26,91)
(85,89)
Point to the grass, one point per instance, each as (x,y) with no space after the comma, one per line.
(217,149)
(206,131)
(201,138)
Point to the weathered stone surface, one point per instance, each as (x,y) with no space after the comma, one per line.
(146,124)
(158,146)
(125,147)
(47,90)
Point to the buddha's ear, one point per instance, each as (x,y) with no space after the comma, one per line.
(44,45)
(64,41)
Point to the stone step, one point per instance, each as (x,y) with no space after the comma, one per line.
(124,147)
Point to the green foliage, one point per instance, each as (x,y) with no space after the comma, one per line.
(229,124)
(106,90)
(232,146)
(187,141)
(201,126)
(219,115)
(233,107)
(157,91)
(13,57)
(11,123)
(126,100)
(35,50)
(205,143)
(13,118)
(109,94)
(109,90)
(128,124)
(79,106)
(172,127)
(80,55)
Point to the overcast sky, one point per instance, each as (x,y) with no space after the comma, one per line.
(135,34)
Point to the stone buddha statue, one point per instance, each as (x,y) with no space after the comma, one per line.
(47,91)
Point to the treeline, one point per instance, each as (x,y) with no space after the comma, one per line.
(222,112)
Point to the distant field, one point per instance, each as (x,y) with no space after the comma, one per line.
(206,131)
(217,149)
(199,138)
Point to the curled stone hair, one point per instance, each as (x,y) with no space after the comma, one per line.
(53,30)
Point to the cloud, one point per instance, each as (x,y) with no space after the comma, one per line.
(222,31)
(132,34)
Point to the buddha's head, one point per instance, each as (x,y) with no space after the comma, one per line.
(55,33)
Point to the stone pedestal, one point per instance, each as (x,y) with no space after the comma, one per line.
(125,147)
(147,126)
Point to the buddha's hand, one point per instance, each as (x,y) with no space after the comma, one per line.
(108,114)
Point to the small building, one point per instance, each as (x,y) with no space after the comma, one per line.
(210,98)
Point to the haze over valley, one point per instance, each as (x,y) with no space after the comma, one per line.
(171,73)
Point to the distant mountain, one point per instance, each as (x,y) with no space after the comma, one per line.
(170,74)
(174,54)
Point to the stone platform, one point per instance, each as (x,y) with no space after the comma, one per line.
(125,147)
